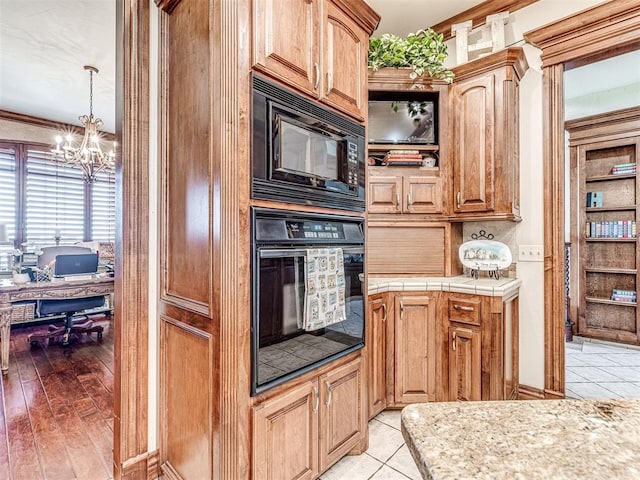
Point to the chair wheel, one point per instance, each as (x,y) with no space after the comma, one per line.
(35,343)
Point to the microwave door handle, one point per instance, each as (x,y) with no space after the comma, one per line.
(301,252)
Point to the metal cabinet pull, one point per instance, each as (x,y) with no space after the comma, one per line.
(329,82)
(316,70)
(384,309)
(398,201)
(329,395)
(458,199)
(409,200)
(463,307)
(401,311)
(316,400)
(453,343)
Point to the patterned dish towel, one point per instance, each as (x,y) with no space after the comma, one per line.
(324,302)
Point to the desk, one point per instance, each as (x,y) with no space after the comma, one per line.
(525,439)
(56,290)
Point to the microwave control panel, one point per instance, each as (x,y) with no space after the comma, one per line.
(352,165)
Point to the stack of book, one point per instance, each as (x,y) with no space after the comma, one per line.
(624,295)
(611,229)
(594,199)
(403,157)
(624,169)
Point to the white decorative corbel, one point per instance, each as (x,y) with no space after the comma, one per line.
(461,32)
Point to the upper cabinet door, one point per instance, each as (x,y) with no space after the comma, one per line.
(473,111)
(422,194)
(346,47)
(286,42)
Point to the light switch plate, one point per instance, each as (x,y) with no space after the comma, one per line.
(530,253)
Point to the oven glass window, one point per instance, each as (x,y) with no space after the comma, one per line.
(308,152)
(283,347)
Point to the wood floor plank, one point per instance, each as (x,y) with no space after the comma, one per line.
(56,408)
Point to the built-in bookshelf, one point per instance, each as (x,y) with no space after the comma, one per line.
(604,188)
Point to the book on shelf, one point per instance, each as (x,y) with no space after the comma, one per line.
(624,169)
(594,199)
(611,229)
(624,295)
(403,157)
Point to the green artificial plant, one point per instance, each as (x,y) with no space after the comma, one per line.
(423,51)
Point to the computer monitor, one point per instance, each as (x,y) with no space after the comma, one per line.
(83,264)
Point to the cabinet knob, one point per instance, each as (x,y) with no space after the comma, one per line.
(458,199)
(328,385)
(398,201)
(329,82)
(384,312)
(316,71)
(409,199)
(453,342)
(401,311)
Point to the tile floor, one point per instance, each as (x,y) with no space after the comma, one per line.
(593,370)
(386,459)
(596,369)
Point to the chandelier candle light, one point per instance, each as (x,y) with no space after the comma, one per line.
(89,155)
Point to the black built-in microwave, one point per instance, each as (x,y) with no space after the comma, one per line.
(304,153)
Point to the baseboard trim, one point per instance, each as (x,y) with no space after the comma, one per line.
(526,392)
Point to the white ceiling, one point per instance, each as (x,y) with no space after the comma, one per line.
(44,45)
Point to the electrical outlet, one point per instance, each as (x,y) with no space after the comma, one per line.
(530,253)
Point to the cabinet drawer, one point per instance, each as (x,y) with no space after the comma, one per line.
(464,310)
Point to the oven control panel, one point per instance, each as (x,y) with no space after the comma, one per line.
(312,229)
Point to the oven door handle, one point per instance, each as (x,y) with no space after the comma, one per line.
(300,252)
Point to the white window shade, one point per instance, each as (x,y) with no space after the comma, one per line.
(55,199)
(103,208)
(7,201)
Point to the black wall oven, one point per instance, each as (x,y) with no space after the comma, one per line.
(304,153)
(283,344)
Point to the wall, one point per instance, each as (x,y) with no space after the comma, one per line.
(530,230)
(23,132)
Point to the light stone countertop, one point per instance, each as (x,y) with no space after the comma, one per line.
(526,439)
(459,284)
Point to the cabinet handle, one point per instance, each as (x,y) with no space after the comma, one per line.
(458,199)
(453,342)
(329,395)
(316,70)
(316,399)
(398,201)
(401,311)
(463,307)
(409,200)
(384,309)
(329,82)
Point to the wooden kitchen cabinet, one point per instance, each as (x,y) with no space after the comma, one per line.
(291,36)
(291,421)
(377,315)
(481,347)
(397,190)
(484,129)
(415,348)
(300,433)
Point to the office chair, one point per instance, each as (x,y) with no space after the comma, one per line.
(69,307)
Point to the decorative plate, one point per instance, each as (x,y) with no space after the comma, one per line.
(485,255)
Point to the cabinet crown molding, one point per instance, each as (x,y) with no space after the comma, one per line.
(394,79)
(365,16)
(513,56)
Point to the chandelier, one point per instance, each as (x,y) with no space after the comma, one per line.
(88,156)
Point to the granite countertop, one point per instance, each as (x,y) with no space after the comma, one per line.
(527,439)
(460,284)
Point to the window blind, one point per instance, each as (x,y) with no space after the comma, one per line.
(55,200)
(103,207)
(7,201)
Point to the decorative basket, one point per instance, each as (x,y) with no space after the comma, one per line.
(42,275)
(22,312)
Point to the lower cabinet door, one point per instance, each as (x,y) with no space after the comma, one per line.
(376,341)
(415,349)
(465,363)
(343,408)
(285,440)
